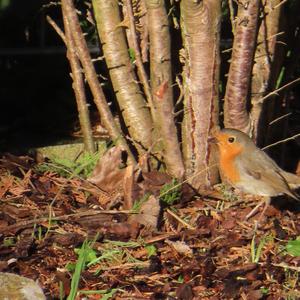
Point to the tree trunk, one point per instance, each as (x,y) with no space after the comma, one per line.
(239,77)
(266,68)
(200,31)
(91,76)
(133,106)
(161,85)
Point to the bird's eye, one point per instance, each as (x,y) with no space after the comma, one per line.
(231,139)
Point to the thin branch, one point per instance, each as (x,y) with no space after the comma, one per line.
(74,216)
(279,4)
(271,38)
(280,118)
(279,89)
(99,58)
(127,266)
(275,35)
(181,94)
(138,59)
(79,89)
(286,266)
(185,224)
(281,141)
(227,50)
(57,29)
(78,84)
(188,179)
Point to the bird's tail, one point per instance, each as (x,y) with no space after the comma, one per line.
(293,182)
(292,179)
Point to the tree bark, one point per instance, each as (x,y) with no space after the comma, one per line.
(133,38)
(131,101)
(239,77)
(200,23)
(91,76)
(79,89)
(161,85)
(266,69)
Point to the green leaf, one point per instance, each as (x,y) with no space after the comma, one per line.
(70,266)
(109,294)
(180,278)
(90,254)
(151,250)
(293,247)
(9,241)
(137,204)
(106,294)
(264,290)
(170,192)
(79,267)
(131,55)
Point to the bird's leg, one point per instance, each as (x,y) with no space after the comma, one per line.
(265,201)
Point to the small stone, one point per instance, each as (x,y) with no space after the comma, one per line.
(19,288)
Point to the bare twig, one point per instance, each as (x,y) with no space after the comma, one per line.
(188,179)
(275,92)
(79,89)
(286,266)
(279,4)
(93,212)
(275,35)
(185,224)
(281,141)
(78,83)
(128,266)
(181,95)
(280,118)
(57,29)
(161,237)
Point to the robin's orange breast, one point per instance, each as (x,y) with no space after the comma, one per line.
(229,171)
(227,165)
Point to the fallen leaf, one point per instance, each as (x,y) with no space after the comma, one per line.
(148,214)
(181,247)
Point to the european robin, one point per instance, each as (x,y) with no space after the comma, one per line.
(249,169)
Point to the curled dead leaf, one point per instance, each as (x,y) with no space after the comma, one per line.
(149,213)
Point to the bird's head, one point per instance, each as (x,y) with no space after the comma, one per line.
(232,142)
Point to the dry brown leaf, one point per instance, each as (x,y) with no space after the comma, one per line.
(108,174)
(6,183)
(80,197)
(156,178)
(181,247)
(149,213)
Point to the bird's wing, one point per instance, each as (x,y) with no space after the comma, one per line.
(259,161)
(262,167)
(292,179)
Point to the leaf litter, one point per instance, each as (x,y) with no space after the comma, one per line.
(126,233)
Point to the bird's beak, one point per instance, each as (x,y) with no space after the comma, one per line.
(213,140)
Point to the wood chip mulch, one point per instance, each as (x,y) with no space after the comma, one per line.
(199,248)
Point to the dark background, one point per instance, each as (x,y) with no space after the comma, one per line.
(36,97)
